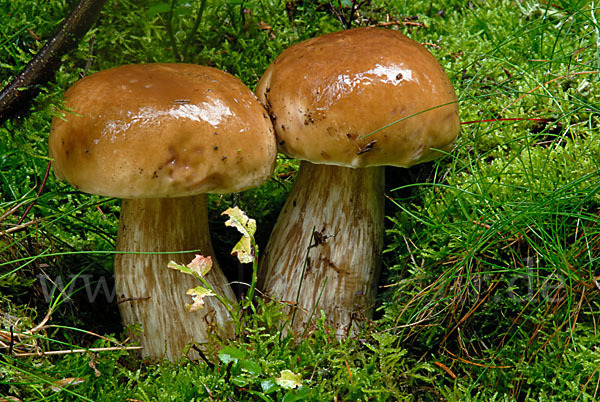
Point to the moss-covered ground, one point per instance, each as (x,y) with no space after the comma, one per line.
(490,286)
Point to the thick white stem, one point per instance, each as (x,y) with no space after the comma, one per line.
(344,207)
(153,295)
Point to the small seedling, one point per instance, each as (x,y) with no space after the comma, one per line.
(246,251)
(198,268)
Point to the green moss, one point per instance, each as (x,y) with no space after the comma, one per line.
(490,288)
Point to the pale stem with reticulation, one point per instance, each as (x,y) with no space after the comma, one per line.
(154,296)
(345,209)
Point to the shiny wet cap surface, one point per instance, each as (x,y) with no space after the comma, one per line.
(327,94)
(162,130)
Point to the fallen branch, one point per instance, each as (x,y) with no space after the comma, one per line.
(16,96)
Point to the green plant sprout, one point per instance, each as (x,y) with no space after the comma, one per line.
(199,267)
(244,370)
(246,251)
(246,373)
(289,379)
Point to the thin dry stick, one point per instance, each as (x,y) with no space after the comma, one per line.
(70,351)
(446,369)
(461,343)
(412,324)
(415,297)
(412,257)
(17,94)
(210,396)
(20,227)
(576,315)
(11,211)
(40,325)
(473,363)
(596,389)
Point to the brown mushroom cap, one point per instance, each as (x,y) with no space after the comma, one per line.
(326,93)
(162,130)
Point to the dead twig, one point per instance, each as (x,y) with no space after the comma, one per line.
(20,227)
(71,351)
(16,96)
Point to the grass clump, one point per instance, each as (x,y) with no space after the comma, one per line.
(491,288)
(500,246)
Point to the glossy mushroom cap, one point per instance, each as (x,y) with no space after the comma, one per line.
(326,93)
(162,130)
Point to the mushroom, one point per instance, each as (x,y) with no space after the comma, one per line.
(161,136)
(346,104)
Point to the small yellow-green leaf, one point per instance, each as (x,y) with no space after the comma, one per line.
(289,379)
(199,266)
(251,367)
(243,250)
(239,220)
(269,386)
(178,267)
(247,227)
(231,354)
(198,294)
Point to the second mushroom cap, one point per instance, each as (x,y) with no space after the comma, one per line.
(327,94)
